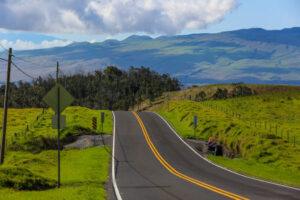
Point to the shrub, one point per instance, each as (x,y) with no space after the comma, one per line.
(36,144)
(201,96)
(23,179)
(240,91)
(221,94)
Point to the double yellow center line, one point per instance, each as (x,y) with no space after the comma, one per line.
(179,174)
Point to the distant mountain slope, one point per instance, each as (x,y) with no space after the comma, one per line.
(249,55)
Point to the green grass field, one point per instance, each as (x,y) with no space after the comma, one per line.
(257,129)
(259,170)
(84,172)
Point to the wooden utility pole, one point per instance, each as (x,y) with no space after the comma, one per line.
(58,127)
(5,105)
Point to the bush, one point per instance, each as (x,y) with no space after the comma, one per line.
(220,94)
(23,179)
(201,96)
(36,144)
(241,91)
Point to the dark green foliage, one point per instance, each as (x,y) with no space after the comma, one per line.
(201,96)
(221,94)
(240,91)
(110,89)
(23,179)
(36,144)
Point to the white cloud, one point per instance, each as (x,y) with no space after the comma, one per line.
(26,45)
(111,16)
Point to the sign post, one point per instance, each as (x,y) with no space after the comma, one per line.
(58,98)
(195,125)
(102,120)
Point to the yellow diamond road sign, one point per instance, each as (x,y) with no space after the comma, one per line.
(65,98)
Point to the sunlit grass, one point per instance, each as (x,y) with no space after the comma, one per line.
(83,174)
(40,123)
(246,126)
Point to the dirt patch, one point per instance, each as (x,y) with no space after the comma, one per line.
(86,141)
(200,146)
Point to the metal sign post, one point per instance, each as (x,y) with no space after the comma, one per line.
(195,125)
(58,129)
(58,98)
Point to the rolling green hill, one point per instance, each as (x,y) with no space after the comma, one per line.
(260,133)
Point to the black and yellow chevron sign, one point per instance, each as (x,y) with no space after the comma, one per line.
(94,123)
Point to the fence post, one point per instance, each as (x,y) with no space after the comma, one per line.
(265,125)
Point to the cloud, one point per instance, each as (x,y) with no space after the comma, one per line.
(112,16)
(26,45)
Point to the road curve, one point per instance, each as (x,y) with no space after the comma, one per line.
(153,163)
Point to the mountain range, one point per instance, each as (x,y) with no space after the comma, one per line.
(248,55)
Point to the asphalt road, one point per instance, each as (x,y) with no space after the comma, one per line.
(153,163)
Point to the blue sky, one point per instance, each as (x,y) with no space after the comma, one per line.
(267,14)
(229,15)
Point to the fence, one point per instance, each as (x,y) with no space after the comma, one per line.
(272,130)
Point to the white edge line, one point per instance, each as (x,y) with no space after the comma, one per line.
(192,149)
(113,172)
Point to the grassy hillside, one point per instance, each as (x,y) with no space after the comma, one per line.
(261,132)
(29,124)
(30,168)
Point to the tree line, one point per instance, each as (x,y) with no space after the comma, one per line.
(111,88)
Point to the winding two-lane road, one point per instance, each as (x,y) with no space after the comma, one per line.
(153,163)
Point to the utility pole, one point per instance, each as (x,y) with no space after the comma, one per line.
(58,127)
(5,105)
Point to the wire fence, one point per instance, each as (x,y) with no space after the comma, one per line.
(28,129)
(260,127)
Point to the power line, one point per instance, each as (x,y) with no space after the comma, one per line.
(24,60)
(28,61)
(2,59)
(19,58)
(19,69)
(26,74)
(3,52)
(3,47)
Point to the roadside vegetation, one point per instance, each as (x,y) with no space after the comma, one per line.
(30,168)
(259,130)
